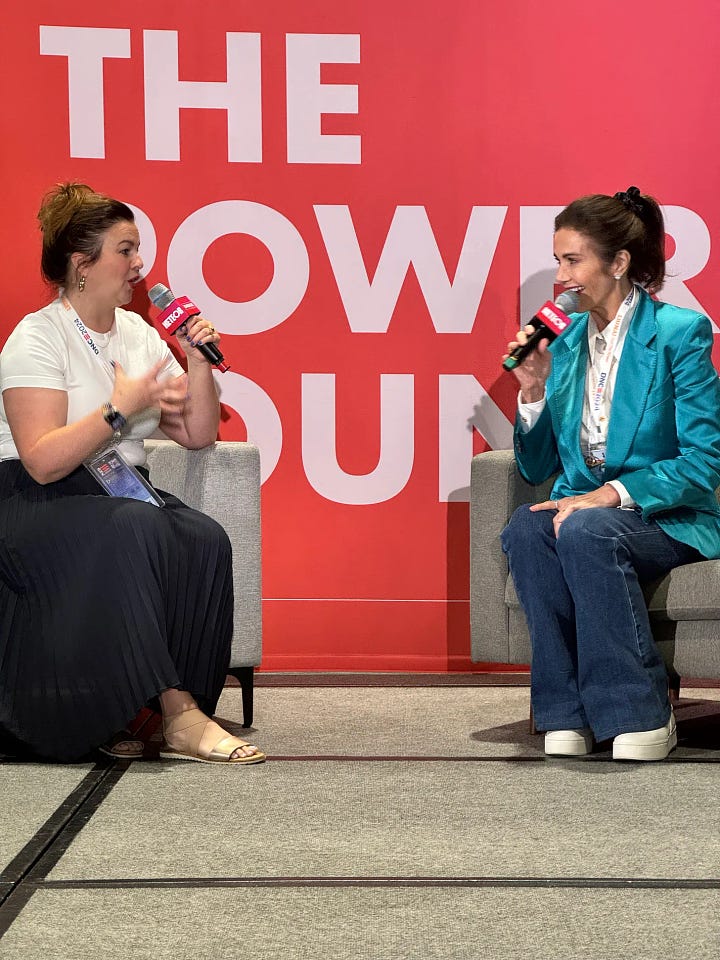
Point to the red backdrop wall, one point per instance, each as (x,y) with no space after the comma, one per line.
(360,196)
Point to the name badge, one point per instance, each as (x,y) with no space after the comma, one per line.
(120,478)
(596,455)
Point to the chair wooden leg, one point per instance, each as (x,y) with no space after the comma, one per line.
(533,728)
(246,676)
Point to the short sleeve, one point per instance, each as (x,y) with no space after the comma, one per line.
(35,355)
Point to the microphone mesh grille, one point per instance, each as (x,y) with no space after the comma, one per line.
(568,301)
(161,296)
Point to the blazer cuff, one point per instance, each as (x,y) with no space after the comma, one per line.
(625,499)
(529,413)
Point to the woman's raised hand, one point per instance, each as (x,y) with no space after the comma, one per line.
(533,372)
(197,330)
(133,394)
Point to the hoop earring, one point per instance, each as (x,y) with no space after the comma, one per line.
(81,284)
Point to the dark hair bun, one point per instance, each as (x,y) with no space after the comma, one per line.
(632,199)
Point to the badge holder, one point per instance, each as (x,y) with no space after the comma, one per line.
(596,454)
(120,478)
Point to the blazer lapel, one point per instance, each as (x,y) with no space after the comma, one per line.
(570,353)
(632,384)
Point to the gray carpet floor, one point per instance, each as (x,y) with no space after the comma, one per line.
(435,722)
(30,794)
(389,822)
(378,924)
(397,818)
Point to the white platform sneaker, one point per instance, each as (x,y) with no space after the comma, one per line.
(568,743)
(647,744)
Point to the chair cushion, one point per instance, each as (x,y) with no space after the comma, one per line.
(690,592)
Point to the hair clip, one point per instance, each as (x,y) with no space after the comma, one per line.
(632,199)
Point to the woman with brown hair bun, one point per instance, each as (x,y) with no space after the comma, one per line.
(106,602)
(625,408)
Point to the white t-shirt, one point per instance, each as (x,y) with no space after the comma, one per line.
(46,349)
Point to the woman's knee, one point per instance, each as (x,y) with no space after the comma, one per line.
(524,527)
(213,534)
(588,529)
(135,514)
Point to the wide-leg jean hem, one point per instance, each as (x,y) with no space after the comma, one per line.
(594,663)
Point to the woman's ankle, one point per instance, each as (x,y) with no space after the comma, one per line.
(174,701)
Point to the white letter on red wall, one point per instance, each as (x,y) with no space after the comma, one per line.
(537,267)
(308,99)
(692,252)
(165,94)
(397,446)
(148,238)
(369,305)
(465,406)
(86,48)
(258,413)
(286,246)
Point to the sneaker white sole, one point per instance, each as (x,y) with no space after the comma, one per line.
(577,746)
(645,751)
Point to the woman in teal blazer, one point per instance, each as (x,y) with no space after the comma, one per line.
(625,408)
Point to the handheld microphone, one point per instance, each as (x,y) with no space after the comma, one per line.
(176,311)
(549,322)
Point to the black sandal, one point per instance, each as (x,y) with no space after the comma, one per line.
(110,747)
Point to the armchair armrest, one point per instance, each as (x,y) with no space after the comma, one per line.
(223,481)
(496,489)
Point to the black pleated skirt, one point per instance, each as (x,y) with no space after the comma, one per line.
(104,603)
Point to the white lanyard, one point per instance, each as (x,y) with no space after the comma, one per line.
(599,373)
(84,334)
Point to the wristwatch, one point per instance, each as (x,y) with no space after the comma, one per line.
(113,417)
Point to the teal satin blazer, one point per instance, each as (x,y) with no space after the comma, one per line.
(663,439)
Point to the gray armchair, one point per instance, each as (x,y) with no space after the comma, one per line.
(684,606)
(224,482)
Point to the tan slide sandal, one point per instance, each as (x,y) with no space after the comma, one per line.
(207,742)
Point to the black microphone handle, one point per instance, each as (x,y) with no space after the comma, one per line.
(211,353)
(208,350)
(522,350)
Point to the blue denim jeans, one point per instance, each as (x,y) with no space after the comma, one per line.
(594,661)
